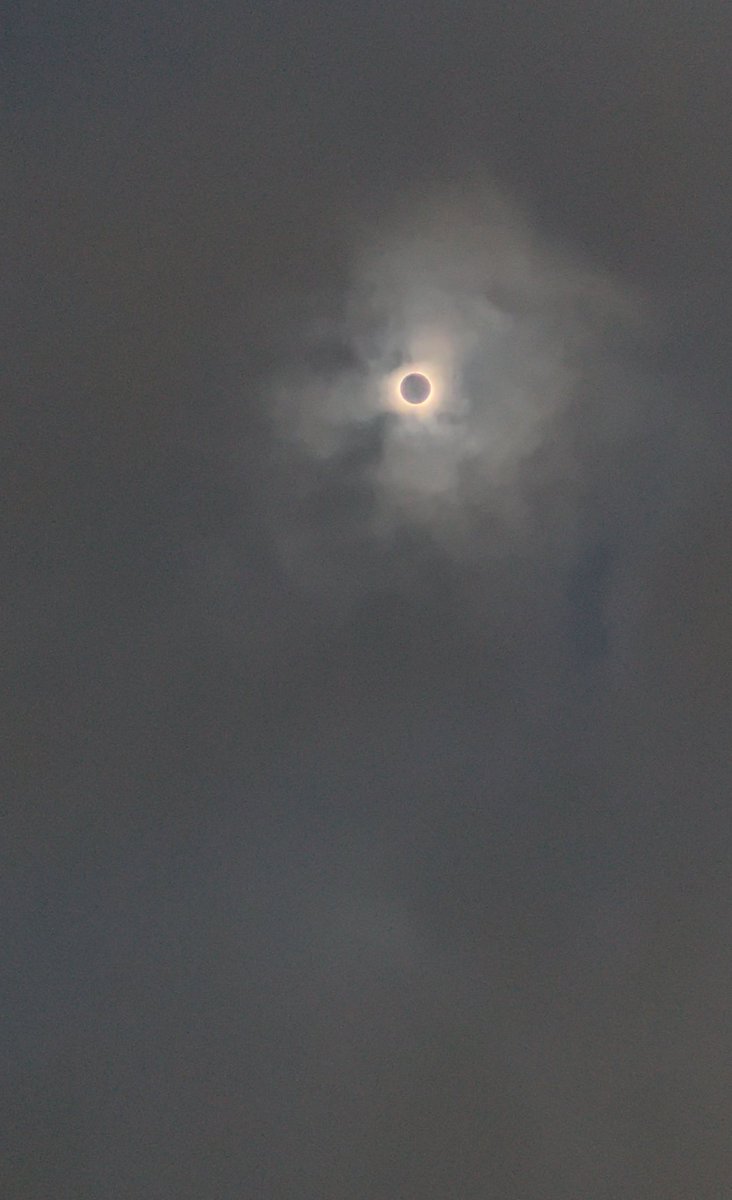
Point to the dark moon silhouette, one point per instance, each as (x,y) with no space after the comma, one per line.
(415,388)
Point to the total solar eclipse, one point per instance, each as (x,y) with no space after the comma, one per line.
(415,388)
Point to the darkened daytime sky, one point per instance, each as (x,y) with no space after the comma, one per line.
(366,745)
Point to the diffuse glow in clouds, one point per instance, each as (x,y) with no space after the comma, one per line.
(509,331)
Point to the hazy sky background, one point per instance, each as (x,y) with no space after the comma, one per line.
(367,801)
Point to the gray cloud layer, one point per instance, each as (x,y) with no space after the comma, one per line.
(367,805)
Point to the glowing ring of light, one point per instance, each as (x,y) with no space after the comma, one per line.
(396,399)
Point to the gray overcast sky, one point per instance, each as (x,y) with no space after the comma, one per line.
(367,801)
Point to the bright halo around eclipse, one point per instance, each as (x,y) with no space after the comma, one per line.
(415,388)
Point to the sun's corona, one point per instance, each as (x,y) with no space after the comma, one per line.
(415,388)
